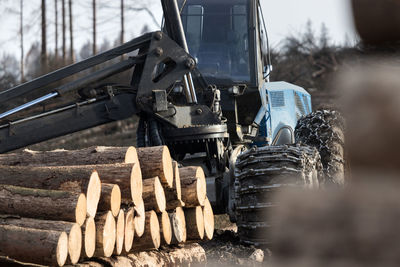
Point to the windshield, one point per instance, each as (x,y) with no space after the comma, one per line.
(217,34)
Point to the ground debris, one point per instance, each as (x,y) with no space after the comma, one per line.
(226,250)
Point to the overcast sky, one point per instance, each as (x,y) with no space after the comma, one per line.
(283,17)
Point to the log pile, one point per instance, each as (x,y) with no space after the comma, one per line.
(64,207)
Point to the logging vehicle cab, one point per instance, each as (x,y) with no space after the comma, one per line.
(201,87)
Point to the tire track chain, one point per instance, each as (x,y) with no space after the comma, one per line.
(324,130)
(262,172)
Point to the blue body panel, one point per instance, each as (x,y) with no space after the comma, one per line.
(283,104)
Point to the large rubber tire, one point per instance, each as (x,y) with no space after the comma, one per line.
(262,172)
(324,130)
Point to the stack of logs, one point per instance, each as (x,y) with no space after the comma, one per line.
(63,206)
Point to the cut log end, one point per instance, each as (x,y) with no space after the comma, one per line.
(105,235)
(178,226)
(194,223)
(131,155)
(136,184)
(75,243)
(129,230)
(177,180)
(151,237)
(81,209)
(194,188)
(155,229)
(156,161)
(165,227)
(140,217)
(62,249)
(93,193)
(89,237)
(153,195)
(115,200)
(120,232)
(208,220)
(201,190)
(167,167)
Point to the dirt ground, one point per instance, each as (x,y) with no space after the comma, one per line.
(226,249)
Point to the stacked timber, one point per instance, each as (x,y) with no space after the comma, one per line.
(64,207)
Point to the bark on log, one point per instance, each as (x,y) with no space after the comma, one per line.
(153,195)
(110,199)
(193,183)
(51,247)
(89,238)
(73,231)
(77,178)
(178,226)
(208,220)
(56,178)
(151,237)
(182,255)
(156,161)
(140,219)
(194,223)
(173,195)
(43,204)
(165,228)
(61,157)
(120,233)
(105,234)
(129,230)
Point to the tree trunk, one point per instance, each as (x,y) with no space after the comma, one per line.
(21,32)
(94,27)
(173,195)
(194,223)
(129,230)
(110,198)
(51,247)
(64,33)
(122,22)
(89,238)
(156,161)
(140,218)
(151,236)
(43,53)
(153,195)
(71,34)
(208,220)
(120,233)
(105,234)
(73,231)
(73,178)
(88,156)
(56,30)
(178,225)
(193,185)
(182,255)
(43,204)
(165,228)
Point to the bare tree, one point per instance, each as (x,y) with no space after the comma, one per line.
(94,27)
(56,28)
(64,46)
(71,33)
(21,31)
(122,22)
(43,57)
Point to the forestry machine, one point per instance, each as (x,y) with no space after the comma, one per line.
(200,86)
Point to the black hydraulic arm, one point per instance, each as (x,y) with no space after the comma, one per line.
(70,70)
(154,49)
